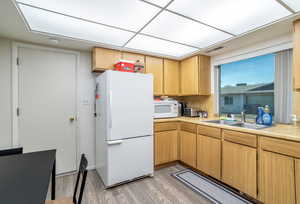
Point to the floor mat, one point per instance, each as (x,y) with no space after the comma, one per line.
(208,188)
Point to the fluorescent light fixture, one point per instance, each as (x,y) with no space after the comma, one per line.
(154,45)
(52,23)
(161,3)
(234,16)
(129,14)
(179,29)
(293,4)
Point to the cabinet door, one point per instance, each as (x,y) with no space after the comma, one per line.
(296,53)
(104,58)
(209,155)
(189,70)
(171,77)
(239,167)
(277,180)
(166,146)
(188,148)
(133,57)
(297,171)
(155,66)
(204,75)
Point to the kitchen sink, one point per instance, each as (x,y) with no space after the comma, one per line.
(250,125)
(238,124)
(222,122)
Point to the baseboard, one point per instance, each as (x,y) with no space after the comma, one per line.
(91,167)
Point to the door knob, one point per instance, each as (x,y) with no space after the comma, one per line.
(72,119)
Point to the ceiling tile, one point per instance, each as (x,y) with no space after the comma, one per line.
(154,45)
(161,3)
(293,4)
(129,14)
(49,22)
(179,29)
(234,16)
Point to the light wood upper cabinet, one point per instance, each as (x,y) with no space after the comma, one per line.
(171,77)
(133,57)
(296,53)
(189,70)
(209,155)
(104,59)
(277,180)
(188,144)
(195,76)
(239,167)
(204,75)
(154,66)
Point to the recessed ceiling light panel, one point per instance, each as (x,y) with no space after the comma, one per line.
(293,4)
(179,29)
(52,23)
(234,16)
(154,45)
(161,3)
(129,14)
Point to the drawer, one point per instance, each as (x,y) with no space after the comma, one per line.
(189,127)
(240,138)
(158,127)
(281,146)
(209,131)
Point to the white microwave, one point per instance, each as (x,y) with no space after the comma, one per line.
(165,109)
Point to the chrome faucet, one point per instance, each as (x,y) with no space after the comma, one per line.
(243,116)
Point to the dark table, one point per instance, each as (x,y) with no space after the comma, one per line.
(25,178)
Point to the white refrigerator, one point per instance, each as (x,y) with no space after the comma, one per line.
(124,126)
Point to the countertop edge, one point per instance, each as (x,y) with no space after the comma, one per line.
(268,132)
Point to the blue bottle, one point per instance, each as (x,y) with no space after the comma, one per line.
(259,117)
(267,117)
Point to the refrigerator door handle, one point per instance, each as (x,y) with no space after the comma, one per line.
(114,142)
(110,109)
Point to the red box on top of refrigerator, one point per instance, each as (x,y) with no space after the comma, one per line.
(124,66)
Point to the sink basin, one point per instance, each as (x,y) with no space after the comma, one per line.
(222,122)
(238,124)
(250,125)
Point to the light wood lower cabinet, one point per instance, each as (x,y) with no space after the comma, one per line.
(209,155)
(297,171)
(277,180)
(239,167)
(166,143)
(188,148)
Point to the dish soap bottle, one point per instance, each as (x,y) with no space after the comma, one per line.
(267,117)
(259,117)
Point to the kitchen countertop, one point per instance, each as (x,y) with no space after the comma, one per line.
(280,131)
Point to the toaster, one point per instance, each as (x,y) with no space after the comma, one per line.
(190,112)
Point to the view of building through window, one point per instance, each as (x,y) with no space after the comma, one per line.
(247,84)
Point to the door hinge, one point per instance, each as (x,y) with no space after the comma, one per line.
(18,111)
(18,61)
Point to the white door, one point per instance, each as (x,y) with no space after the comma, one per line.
(131,105)
(47,102)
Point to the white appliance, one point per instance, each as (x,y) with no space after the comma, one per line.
(124,126)
(165,109)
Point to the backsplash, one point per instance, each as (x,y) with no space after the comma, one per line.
(205,103)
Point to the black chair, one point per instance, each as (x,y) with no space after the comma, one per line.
(81,173)
(12,151)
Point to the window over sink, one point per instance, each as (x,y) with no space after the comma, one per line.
(246,85)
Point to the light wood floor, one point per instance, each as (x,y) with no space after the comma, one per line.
(162,188)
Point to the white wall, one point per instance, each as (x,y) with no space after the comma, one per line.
(5,93)
(85,86)
(86,126)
